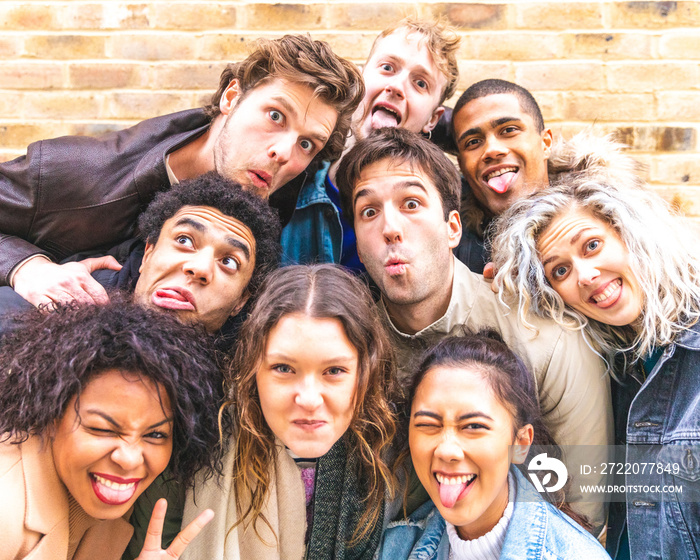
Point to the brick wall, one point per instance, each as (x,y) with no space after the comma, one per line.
(83,67)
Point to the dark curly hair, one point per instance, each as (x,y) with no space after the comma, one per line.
(211,189)
(51,357)
(300,60)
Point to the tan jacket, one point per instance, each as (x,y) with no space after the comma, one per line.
(573,387)
(285,510)
(34,511)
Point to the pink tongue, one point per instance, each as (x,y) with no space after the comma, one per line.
(450,492)
(501,183)
(383,119)
(171,294)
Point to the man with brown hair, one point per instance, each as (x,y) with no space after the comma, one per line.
(411,70)
(402,195)
(288,103)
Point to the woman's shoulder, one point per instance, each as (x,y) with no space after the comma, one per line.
(418,536)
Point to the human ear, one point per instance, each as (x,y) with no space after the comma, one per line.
(146,255)
(230,97)
(432,123)
(522,443)
(245,296)
(547,140)
(454,231)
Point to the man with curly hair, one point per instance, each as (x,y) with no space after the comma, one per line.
(206,247)
(287,104)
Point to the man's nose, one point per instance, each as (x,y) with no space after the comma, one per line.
(494,147)
(199,267)
(282,148)
(392,230)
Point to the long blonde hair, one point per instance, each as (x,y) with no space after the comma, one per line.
(662,254)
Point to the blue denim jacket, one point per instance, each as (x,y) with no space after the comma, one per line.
(663,410)
(537,530)
(314,233)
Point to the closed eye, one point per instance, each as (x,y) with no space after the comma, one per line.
(158,435)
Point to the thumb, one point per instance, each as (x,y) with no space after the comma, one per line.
(98,263)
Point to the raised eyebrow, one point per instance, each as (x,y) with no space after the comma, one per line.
(403,185)
(199,226)
(238,244)
(291,110)
(359,194)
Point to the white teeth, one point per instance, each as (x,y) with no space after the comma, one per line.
(501,172)
(449,480)
(112,484)
(610,290)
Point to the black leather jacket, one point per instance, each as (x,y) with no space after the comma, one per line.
(75,193)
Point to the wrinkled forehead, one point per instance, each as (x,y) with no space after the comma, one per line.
(210,219)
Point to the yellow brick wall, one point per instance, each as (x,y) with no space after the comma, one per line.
(83,67)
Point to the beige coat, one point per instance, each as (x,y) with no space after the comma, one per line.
(34,511)
(285,510)
(573,386)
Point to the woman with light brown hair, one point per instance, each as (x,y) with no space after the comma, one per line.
(310,391)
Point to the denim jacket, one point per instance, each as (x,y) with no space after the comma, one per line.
(314,234)
(663,410)
(537,530)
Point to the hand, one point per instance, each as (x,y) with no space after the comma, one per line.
(152,544)
(41,281)
(490,275)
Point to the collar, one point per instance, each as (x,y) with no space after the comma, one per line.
(689,338)
(314,191)
(465,287)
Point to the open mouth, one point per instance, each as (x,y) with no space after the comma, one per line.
(113,492)
(500,180)
(609,295)
(384,116)
(260,179)
(177,299)
(453,488)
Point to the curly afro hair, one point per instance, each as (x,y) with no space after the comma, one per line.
(229,198)
(51,357)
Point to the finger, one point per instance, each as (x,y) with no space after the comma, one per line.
(185,537)
(96,263)
(95,292)
(154,532)
(489,271)
(44,303)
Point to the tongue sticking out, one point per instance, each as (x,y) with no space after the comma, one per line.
(450,492)
(381,118)
(501,183)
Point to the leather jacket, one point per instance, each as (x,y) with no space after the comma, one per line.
(75,193)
